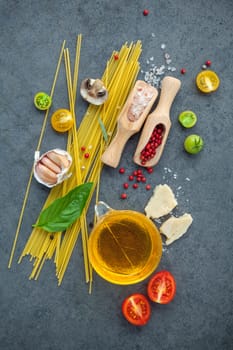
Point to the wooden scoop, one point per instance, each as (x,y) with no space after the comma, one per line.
(161,115)
(130,120)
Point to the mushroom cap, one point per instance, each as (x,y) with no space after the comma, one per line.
(94,91)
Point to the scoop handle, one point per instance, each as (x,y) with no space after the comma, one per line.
(169,89)
(113,153)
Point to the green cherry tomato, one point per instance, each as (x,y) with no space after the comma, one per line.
(42,101)
(187,119)
(193,144)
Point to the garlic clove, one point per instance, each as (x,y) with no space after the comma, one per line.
(45,174)
(59,159)
(52,167)
(94,91)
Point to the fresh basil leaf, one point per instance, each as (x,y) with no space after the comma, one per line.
(59,215)
(104,132)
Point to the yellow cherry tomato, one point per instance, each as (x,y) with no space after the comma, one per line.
(62,120)
(207,81)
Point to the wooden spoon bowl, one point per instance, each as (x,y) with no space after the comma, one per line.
(130,120)
(161,115)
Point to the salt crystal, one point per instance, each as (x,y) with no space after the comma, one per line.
(173,69)
(152,58)
(153,35)
(163,46)
(168,61)
(166,56)
(187,179)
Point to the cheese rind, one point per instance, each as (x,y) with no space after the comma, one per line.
(161,203)
(175,227)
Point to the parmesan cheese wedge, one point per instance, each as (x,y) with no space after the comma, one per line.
(174,228)
(161,203)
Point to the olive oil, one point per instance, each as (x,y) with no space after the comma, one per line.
(125,247)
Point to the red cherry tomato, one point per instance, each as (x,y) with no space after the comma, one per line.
(136,309)
(162,287)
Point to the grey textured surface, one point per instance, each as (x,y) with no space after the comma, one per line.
(41,316)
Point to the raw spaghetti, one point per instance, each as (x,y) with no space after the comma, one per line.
(119,77)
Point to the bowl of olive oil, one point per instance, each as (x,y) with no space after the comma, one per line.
(124,247)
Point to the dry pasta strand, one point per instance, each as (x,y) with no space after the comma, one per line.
(119,78)
(31,173)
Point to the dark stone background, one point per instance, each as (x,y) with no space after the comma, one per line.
(40,315)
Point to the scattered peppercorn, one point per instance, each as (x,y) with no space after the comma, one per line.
(138,175)
(83,148)
(183,71)
(86,155)
(208,63)
(146,12)
(116,57)
(150,170)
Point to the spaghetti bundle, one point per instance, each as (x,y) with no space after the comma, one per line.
(119,77)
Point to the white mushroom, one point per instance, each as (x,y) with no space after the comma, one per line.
(94,91)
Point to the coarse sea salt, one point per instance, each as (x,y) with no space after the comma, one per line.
(155,74)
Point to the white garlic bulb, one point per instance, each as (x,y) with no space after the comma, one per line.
(52,167)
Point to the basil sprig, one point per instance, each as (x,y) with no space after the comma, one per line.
(59,215)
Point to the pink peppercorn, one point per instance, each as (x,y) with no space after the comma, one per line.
(86,155)
(130,177)
(123,196)
(183,71)
(135,185)
(208,63)
(83,148)
(122,170)
(146,12)
(150,170)
(148,187)
(126,185)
